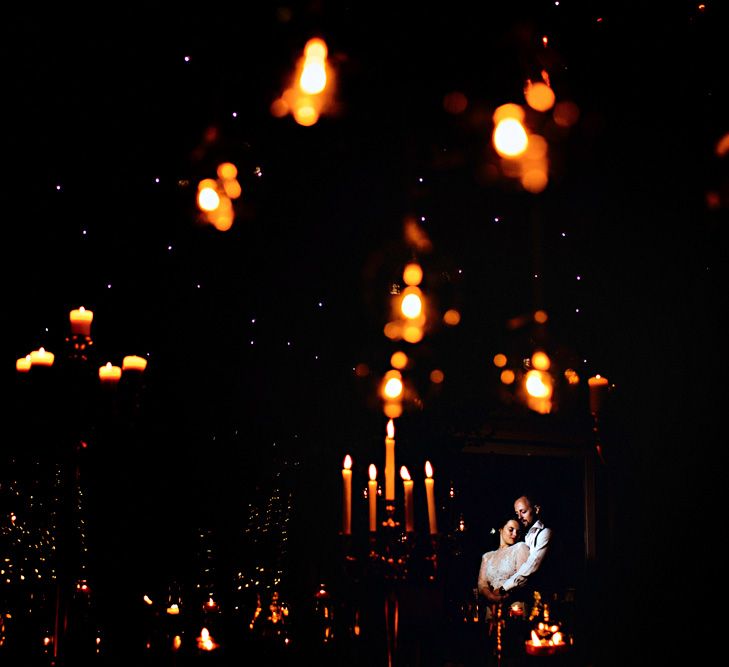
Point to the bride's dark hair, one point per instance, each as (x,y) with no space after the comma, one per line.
(506,518)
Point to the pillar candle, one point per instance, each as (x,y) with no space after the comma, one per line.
(133,363)
(41,357)
(22,365)
(372,497)
(390,461)
(598,388)
(109,373)
(407,484)
(347,496)
(81,321)
(430,495)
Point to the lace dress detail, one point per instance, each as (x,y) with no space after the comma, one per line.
(497,566)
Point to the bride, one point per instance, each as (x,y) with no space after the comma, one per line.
(498,565)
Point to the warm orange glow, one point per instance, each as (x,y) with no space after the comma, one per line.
(412,274)
(390,429)
(41,357)
(565,113)
(393,330)
(412,333)
(393,388)
(428,469)
(537,149)
(110,373)
(173,610)
(437,376)
(222,221)
(509,110)
(313,77)
(571,376)
(539,96)
(540,317)
(208,198)
(362,370)
(451,317)
(538,384)
(404,473)
(535,639)
(399,360)
(722,146)
(510,138)
(133,363)
(541,361)
(81,321)
(392,409)
(373,472)
(176,642)
(205,641)
(507,376)
(227,171)
(305,114)
(232,188)
(534,179)
(279,108)
(348,462)
(411,305)
(598,387)
(147,600)
(316,48)
(22,365)
(499,360)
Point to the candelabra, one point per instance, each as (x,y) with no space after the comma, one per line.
(386,568)
(64,409)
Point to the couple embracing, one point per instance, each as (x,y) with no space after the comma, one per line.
(516,567)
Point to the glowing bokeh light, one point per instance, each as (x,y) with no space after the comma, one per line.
(499,360)
(541,361)
(411,305)
(538,384)
(510,138)
(399,360)
(507,376)
(539,96)
(451,317)
(437,376)
(412,274)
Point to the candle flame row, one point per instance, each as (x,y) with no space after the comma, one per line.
(390,491)
(80,319)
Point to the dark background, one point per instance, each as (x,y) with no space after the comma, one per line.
(104,106)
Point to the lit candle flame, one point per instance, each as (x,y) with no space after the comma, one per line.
(404,473)
(428,469)
(390,429)
(348,462)
(373,472)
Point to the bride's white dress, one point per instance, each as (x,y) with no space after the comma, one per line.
(497,566)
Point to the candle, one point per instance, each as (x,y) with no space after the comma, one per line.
(372,496)
(430,495)
(347,496)
(133,363)
(81,321)
(22,365)
(109,373)
(390,461)
(598,388)
(41,357)
(407,484)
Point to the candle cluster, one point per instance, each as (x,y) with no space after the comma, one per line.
(408,490)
